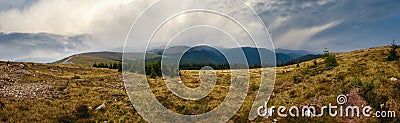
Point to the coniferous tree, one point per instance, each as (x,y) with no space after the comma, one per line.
(110,66)
(119,67)
(393,56)
(315,62)
(153,72)
(330,59)
(116,65)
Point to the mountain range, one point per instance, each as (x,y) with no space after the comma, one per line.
(199,54)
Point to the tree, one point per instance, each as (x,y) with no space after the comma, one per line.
(110,66)
(101,65)
(120,67)
(94,65)
(153,73)
(330,59)
(116,65)
(393,52)
(153,68)
(392,55)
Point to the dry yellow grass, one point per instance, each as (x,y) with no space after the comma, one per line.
(76,85)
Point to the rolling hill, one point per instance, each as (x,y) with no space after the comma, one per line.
(88,59)
(57,93)
(365,76)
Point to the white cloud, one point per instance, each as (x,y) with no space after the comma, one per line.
(278,22)
(297,38)
(107,21)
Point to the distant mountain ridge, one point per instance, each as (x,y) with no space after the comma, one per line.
(206,54)
(288,51)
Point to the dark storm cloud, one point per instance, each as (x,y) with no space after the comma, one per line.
(340,25)
(355,21)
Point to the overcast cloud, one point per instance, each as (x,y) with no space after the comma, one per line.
(340,25)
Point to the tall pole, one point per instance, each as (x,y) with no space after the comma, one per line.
(394,40)
(326,51)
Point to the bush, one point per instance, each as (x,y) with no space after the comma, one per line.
(76,77)
(330,61)
(82,111)
(2,105)
(371,97)
(397,86)
(254,86)
(315,64)
(94,65)
(397,90)
(309,95)
(65,119)
(368,86)
(358,83)
(297,79)
(341,77)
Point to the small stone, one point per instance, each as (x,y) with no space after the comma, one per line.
(101,106)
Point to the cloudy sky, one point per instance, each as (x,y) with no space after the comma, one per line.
(47,30)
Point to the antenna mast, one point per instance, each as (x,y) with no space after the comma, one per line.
(394,40)
(326,51)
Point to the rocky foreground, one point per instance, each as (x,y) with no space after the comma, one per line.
(31,92)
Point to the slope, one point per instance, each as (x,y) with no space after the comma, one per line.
(363,75)
(56,93)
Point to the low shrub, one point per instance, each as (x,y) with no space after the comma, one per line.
(297,79)
(76,77)
(330,61)
(82,111)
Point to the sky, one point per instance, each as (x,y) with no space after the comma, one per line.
(48,30)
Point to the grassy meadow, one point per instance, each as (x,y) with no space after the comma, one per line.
(32,92)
